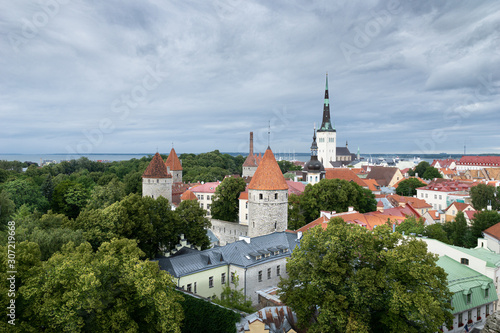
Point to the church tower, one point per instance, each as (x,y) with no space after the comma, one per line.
(174,166)
(267,198)
(156,181)
(327,135)
(314,170)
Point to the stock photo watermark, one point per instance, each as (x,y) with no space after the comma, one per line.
(11,272)
(31,27)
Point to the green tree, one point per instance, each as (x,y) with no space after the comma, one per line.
(296,218)
(23,191)
(481,221)
(286,166)
(69,198)
(225,204)
(111,290)
(104,195)
(234,298)
(431,173)
(47,187)
(483,195)
(350,279)
(193,223)
(458,231)
(335,195)
(408,187)
(419,169)
(436,231)
(7,208)
(133,183)
(411,225)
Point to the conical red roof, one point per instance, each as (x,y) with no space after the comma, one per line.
(268,175)
(156,168)
(173,161)
(188,195)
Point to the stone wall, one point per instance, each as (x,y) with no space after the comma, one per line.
(156,187)
(248,171)
(228,232)
(176,176)
(267,212)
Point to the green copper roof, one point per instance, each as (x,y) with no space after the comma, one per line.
(492,259)
(463,281)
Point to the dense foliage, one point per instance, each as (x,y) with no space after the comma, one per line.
(210,167)
(225,204)
(207,317)
(425,170)
(408,187)
(483,195)
(79,290)
(350,279)
(330,195)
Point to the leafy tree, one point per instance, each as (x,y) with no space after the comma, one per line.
(431,173)
(436,231)
(133,183)
(296,218)
(225,200)
(335,195)
(111,290)
(4,175)
(411,225)
(234,298)
(482,195)
(7,208)
(23,191)
(458,231)
(481,221)
(408,187)
(350,279)
(47,187)
(104,195)
(69,198)
(193,223)
(286,166)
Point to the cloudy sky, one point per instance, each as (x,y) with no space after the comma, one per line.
(136,76)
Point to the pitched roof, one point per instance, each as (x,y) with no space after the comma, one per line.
(188,195)
(205,188)
(372,184)
(295,187)
(345,174)
(480,160)
(156,168)
(383,175)
(493,231)
(268,175)
(414,202)
(252,160)
(460,206)
(173,161)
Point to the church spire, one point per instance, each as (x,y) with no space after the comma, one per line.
(326,125)
(314,145)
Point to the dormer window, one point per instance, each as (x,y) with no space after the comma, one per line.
(486,292)
(258,257)
(469,297)
(267,255)
(464,261)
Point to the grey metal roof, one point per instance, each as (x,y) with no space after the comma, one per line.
(239,253)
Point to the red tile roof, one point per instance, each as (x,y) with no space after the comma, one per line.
(414,202)
(444,163)
(188,195)
(372,184)
(345,174)
(243,196)
(252,160)
(444,185)
(295,187)
(268,175)
(173,161)
(480,160)
(493,231)
(205,188)
(156,168)
(460,206)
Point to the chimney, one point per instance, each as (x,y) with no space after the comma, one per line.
(245,238)
(350,209)
(299,234)
(251,143)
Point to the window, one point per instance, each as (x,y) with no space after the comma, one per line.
(232,277)
(268,273)
(267,255)
(211,282)
(275,225)
(478,313)
(189,287)
(202,197)
(440,197)
(208,206)
(275,196)
(464,261)
(486,292)
(488,310)
(246,204)
(285,250)
(195,287)
(469,316)
(460,319)
(201,205)
(469,298)
(223,278)
(260,276)
(278,270)
(246,217)
(260,196)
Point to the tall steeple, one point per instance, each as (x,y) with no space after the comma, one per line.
(314,145)
(326,125)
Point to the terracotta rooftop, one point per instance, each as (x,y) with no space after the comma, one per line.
(480,160)
(295,187)
(372,184)
(460,206)
(493,231)
(268,175)
(156,168)
(173,161)
(188,195)
(252,160)
(205,188)
(444,163)
(414,202)
(345,174)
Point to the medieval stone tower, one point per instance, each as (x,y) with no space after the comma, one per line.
(267,198)
(327,135)
(251,162)
(174,166)
(156,180)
